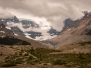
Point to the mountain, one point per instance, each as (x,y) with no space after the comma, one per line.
(7,37)
(53,32)
(74,32)
(4,31)
(27,28)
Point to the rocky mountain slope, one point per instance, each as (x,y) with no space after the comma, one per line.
(82,47)
(7,37)
(28,28)
(74,32)
(4,31)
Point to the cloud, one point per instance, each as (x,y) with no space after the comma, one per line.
(44,28)
(53,11)
(5,13)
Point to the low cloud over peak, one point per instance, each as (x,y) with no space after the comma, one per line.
(53,11)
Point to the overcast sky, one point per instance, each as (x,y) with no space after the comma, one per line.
(47,11)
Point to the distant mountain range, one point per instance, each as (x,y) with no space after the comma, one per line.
(26,27)
(72,32)
(8,37)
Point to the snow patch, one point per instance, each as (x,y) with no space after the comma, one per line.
(2,20)
(8,28)
(26,34)
(28,37)
(2,31)
(41,38)
(15,34)
(69,29)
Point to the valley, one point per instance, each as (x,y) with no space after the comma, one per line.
(45,33)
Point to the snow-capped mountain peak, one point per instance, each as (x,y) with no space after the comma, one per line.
(41,30)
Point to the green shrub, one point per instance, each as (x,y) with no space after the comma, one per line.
(58,62)
(81,56)
(10,64)
(13,41)
(30,58)
(33,62)
(26,54)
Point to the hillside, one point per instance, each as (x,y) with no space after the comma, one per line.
(7,37)
(82,47)
(74,32)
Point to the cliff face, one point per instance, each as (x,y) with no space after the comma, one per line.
(4,31)
(74,32)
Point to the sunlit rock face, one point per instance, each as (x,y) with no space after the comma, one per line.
(30,29)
